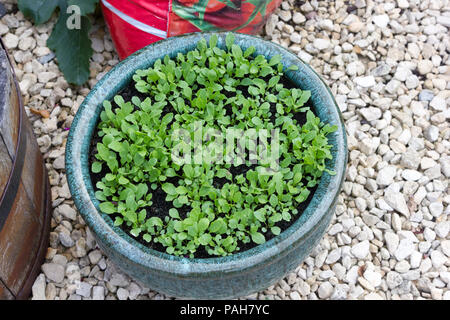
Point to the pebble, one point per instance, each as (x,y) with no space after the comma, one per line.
(95,256)
(84,289)
(361,249)
(405,248)
(66,239)
(426,95)
(436,208)
(438,103)
(371,113)
(122,294)
(386,175)
(396,200)
(392,241)
(119,280)
(438,259)
(38,289)
(45,77)
(98,44)
(443,20)
(373,277)
(322,44)
(373,296)
(325,290)
(333,256)
(411,175)
(403,4)
(381,20)
(393,279)
(402,266)
(382,70)
(442,229)
(98,293)
(10,41)
(53,271)
(67,212)
(365,82)
(424,66)
(415,259)
(298,18)
(285,15)
(294,295)
(46,58)
(445,246)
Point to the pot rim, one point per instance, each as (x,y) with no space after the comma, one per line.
(83,126)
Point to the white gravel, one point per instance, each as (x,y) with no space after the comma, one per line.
(387,63)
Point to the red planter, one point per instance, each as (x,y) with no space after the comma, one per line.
(136,23)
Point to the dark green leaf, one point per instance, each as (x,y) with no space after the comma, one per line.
(39,10)
(72,48)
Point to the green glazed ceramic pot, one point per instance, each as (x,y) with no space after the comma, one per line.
(216,278)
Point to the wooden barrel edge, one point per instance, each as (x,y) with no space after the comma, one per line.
(5,292)
(25,290)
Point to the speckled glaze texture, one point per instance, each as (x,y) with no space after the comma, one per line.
(215,278)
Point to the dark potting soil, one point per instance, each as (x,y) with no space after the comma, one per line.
(160,207)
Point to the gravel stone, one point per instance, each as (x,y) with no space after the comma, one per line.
(122,294)
(322,44)
(298,18)
(442,229)
(396,200)
(411,175)
(371,113)
(386,176)
(426,95)
(98,293)
(333,256)
(393,279)
(10,41)
(84,289)
(67,212)
(438,259)
(392,241)
(95,256)
(53,271)
(373,277)
(361,249)
(436,208)
(45,77)
(445,246)
(325,290)
(405,248)
(365,82)
(424,66)
(402,266)
(381,20)
(38,289)
(294,295)
(119,280)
